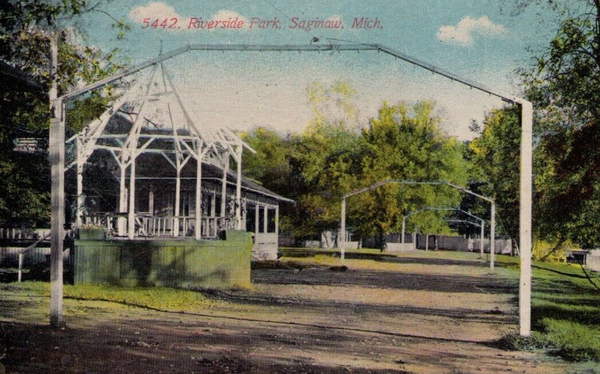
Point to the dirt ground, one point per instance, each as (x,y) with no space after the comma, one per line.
(413,313)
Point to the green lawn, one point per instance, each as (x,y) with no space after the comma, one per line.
(160,298)
(565,310)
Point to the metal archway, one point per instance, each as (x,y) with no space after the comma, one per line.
(57,137)
(408,182)
(481,224)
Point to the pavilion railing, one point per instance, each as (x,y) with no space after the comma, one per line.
(150,226)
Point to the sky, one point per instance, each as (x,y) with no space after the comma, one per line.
(482,40)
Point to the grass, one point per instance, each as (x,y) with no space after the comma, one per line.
(565,311)
(160,298)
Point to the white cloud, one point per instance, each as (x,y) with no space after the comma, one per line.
(153,10)
(462,34)
(160,11)
(225,15)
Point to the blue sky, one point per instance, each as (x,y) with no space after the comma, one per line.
(480,40)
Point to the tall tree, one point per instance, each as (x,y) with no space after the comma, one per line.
(405,142)
(24,111)
(564,86)
(495,155)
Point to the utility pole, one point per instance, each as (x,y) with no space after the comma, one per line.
(57,164)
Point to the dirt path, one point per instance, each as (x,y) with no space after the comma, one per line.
(410,314)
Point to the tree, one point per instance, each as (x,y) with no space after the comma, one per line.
(405,142)
(495,154)
(24,112)
(564,86)
(327,156)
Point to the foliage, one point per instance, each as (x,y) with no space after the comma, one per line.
(24,45)
(495,153)
(551,252)
(405,143)
(335,155)
(564,86)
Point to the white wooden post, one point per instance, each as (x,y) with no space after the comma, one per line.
(256,220)
(238,191)
(121,221)
(151,202)
(403,228)
(131,211)
(481,238)
(525,200)
(342,236)
(79,173)
(277,219)
(177,199)
(198,211)
(213,204)
(426,242)
(57,162)
(493,236)
(266,220)
(19,276)
(224,186)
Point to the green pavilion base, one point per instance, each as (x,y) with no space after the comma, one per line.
(170,263)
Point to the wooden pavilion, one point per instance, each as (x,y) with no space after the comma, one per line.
(172,173)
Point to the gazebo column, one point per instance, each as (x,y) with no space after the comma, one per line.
(266,220)
(198,210)
(121,221)
(238,192)
(213,204)
(151,201)
(244,215)
(131,212)
(277,219)
(177,200)
(80,199)
(224,187)
(256,219)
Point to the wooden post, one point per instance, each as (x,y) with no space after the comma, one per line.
(403,228)
(151,202)
(266,220)
(177,198)
(342,236)
(131,211)
(256,219)
(238,191)
(213,204)
(19,276)
(426,242)
(198,212)
(277,219)
(121,221)
(481,238)
(525,212)
(493,236)
(224,186)
(57,162)
(79,173)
